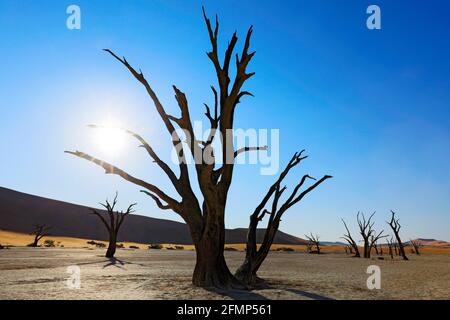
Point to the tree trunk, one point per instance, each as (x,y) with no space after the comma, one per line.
(211,269)
(35,242)
(111,246)
(247,272)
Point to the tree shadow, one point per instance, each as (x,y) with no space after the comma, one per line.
(116,262)
(238,294)
(309,295)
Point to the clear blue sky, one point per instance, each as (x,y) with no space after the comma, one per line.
(372,108)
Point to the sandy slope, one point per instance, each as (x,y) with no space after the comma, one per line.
(9,238)
(30,273)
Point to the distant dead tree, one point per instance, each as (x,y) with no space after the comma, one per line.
(366,231)
(395,226)
(254,256)
(116,219)
(203,211)
(40,231)
(416,245)
(352,243)
(390,243)
(374,238)
(314,241)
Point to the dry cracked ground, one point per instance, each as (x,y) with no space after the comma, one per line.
(41,273)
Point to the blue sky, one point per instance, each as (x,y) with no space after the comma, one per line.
(372,107)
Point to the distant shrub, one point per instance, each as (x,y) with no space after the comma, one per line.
(230,249)
(97,244)
(62,246)
(49,243)
(179,247)
(285,249)
(133,247)
(170,248)
(120,245)
(1,247)
(30,245)
(155,246)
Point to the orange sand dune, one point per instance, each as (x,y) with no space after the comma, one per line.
(9,238)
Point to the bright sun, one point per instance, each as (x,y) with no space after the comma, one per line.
(110,138)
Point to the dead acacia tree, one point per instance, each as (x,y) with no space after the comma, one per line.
(40,231)
(390,243)
(352,243)
(395,226)
(366,230)
(374,238)
(416,245)
(205,217)
(116,219)
(254,256)
(314,241)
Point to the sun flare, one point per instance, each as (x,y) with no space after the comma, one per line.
(110,138)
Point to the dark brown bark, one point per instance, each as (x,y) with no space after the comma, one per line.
(254,257)
(395,226)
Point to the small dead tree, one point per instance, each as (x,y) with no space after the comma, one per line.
(395,226)
(366,230)
(390,243)
(374,238)
(314,241)
(116,219)
(416,245)
(308,247)
(352,243)
(254,256)
(40,231)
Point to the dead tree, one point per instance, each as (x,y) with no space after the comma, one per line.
(395,226)
(314,241)
(203,212)
(390,243)
(416,245)
(40,231)
(352,243)
(366,231)
(116,219)
(374,238)
(255,256)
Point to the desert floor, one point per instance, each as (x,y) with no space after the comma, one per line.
(41,273)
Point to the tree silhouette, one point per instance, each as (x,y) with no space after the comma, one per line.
(205,217)
(416,246)
(40,231)
(314,240)
(116,219)
(254,256)
(352,243)
(395,226)
(366,231)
